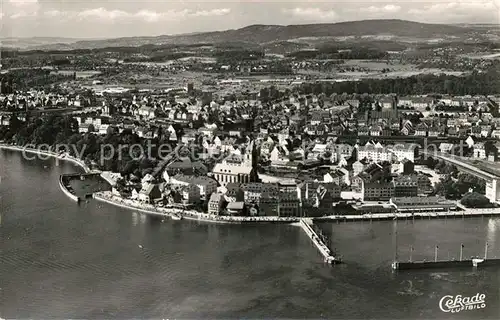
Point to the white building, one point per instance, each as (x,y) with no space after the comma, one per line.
(479,151)
(206,185)
(375,153)
(404,151)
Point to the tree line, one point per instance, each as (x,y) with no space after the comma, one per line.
(474,84)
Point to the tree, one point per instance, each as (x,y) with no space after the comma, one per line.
(468,182)
(476,200)
(446,188)
(431,163)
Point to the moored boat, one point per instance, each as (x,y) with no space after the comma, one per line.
(176,217)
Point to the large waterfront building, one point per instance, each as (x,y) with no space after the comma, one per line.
(206,185)
(406,186)
(317,194)
(289,205)
(377,191)
(415,204)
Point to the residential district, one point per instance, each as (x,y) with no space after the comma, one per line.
(271,152)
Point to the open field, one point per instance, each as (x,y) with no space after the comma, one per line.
(374,69)
(79,74)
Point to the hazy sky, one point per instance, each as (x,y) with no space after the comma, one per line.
(121,18)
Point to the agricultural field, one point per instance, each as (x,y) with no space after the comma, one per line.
(79,74)
(362,69)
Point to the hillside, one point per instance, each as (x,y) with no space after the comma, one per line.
(259,34)
(268,33)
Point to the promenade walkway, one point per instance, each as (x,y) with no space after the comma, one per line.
(110,198)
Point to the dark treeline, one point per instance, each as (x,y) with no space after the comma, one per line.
(465,45)
(335,52)
(23,79)
(476,83)
(238,55)
(58,131)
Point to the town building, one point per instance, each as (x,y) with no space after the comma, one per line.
(216,203)
(149,193)
(374,153)
(405,186)
(289,204)
(416,204)
(376,191)
(206,185)
(235,208)
(237,168)
(404,151)
(479,151)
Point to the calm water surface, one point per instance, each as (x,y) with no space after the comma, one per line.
(63,260)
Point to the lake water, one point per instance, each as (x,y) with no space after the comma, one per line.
(63,260)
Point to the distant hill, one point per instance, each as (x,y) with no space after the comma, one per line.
(25,43)
(260,34)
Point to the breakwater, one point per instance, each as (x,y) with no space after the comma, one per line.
(67,189)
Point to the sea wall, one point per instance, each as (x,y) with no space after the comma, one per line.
(108,197)
(66,191)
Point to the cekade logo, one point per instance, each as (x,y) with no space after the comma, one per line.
(455,304)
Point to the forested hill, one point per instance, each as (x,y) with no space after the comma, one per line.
(259,34)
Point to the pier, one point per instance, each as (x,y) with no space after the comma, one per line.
(319,242)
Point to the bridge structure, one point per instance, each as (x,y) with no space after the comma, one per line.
(492,179)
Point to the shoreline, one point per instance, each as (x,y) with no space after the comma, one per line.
(205,217)
(109,198)
(61,156)
(57,157)
(198,216)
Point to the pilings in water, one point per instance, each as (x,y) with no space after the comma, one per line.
(319,242)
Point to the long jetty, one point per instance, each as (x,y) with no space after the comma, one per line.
(440,264)
(468,263)
(469,213)
(318,242)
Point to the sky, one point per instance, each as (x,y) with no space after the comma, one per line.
(123,18)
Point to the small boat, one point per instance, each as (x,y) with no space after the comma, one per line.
(141,247)
(176,217)
(476,261)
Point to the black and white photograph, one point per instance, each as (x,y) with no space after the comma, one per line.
(249,159)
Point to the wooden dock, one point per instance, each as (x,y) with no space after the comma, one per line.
(318,242)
